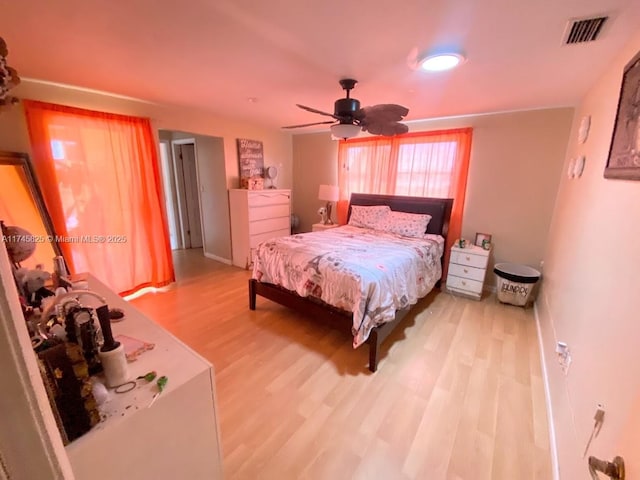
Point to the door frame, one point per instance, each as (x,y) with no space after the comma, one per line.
(170,190)
(179,188)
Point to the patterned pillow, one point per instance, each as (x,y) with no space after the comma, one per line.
(368,217)
(406,224)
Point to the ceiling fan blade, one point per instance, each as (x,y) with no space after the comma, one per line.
(385,112)
(315,110)
(387,129)
(309,124)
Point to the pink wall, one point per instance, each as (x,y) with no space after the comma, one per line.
(589,295)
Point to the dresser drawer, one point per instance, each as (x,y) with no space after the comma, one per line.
(465,271)
(464,284)
(463,258)
(268,211)
(269,225)
(255,240)
(257,199)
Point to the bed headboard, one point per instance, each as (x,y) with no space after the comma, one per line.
(438,208)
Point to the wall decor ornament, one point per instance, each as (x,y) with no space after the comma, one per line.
(8,77)
(571,167)
(583,131)
(578,166)
(624,154)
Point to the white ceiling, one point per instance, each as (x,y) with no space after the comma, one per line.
(216,54)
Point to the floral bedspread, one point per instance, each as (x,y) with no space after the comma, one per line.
(367,272)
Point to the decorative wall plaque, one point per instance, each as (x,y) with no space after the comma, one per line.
(251,160)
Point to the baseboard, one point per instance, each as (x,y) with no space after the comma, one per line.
(553,447)
(226,261)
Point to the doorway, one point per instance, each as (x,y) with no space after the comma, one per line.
(179,164)
(187,192)
(195,189)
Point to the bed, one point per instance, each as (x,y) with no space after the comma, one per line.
(376,329)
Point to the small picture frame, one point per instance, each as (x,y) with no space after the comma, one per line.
(483,240)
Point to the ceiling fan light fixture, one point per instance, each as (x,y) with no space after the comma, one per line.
(440,62)
(345,130)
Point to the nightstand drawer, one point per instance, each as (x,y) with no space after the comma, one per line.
(463,258)
(459,283)
(465,271)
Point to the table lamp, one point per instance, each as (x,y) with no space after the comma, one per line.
(329,193)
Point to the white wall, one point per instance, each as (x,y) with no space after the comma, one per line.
(589,295)
(315,163)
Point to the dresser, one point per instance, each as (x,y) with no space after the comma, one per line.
(467,271)
(256,216)
(177,435)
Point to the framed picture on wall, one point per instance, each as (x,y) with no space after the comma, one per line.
(624,153)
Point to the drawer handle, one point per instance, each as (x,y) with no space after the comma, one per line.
(468,257)
(464,283)
(465,270)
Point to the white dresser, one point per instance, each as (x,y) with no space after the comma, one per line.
(467,271)
(175,437)
(256,216)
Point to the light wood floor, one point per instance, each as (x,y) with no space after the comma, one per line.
(458,393)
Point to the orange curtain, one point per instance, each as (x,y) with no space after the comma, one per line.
(424,164)
(100,179)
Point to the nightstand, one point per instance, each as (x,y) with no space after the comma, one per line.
(318,227)
(467,269)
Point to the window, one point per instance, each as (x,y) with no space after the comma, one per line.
(100,179)
(422,164)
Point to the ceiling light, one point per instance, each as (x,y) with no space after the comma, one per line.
(440,62)
(345,130)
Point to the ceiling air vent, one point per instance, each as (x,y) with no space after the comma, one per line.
(583,30)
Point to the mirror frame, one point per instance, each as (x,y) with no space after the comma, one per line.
(22,160)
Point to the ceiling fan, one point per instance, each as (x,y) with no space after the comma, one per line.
(349,118)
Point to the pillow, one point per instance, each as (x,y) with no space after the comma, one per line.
(406,224)
(368,217)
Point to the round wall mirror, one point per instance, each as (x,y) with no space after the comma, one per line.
(271,173)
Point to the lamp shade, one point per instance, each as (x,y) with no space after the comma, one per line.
(328,193)
(345,130)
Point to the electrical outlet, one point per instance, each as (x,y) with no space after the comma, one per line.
(562,348)
(564,356)
(565,362)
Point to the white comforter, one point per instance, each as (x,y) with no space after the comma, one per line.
(367,272)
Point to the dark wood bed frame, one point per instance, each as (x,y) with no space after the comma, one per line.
(440,211)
